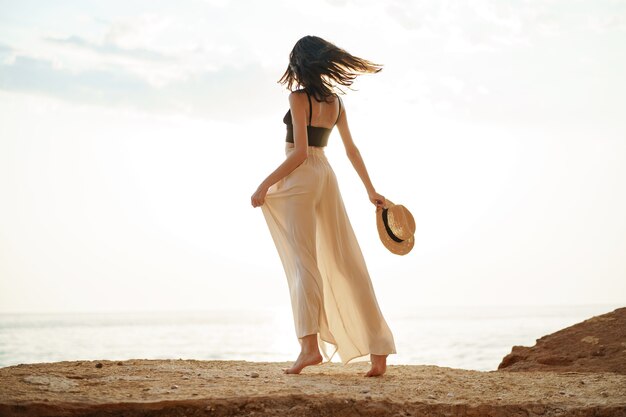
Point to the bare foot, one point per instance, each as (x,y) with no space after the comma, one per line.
(303,361)
(379,365)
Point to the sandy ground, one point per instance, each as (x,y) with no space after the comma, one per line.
(238,388)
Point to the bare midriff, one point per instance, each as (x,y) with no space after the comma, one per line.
(291,145)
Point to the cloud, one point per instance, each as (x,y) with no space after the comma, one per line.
(111,49)
(145,30)
(39,75)
(474,25)
(604,24)
(6,53)
(455,85)
(220,95)
(160,49)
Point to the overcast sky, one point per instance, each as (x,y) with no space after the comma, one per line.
(132,135)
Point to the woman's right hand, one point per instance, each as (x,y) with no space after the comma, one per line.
(258,198)
(377,199)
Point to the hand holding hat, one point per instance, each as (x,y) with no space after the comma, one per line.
(376,198)
(396,227)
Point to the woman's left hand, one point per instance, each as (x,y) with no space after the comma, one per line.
(377,199)
(258,198)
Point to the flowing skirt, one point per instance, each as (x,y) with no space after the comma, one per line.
(329,284)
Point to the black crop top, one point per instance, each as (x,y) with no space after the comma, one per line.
(318,136)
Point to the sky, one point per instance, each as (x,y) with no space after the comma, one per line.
(132,135)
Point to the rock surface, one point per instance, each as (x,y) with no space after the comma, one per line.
(238,388)
(594,345)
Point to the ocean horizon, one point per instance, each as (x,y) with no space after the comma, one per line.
(467,337)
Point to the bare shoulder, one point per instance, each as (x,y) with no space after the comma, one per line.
(298,106)
(341,103)
(296,96)
(342,120)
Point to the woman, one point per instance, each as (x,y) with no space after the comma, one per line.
(332,298)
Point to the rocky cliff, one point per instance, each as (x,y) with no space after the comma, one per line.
(594,345)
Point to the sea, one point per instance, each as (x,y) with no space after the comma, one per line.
(468,337)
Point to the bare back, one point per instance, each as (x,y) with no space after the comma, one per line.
(324,114)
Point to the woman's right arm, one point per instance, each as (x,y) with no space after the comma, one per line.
(300,139)
(295,158)
(356,159)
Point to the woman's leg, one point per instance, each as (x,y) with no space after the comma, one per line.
(353,312)
(309,355)
(379,365)
(290,214)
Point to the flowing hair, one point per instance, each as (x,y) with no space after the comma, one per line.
(319,66)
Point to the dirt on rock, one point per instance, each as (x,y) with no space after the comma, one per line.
(143,387)
(594,345)
(586,376)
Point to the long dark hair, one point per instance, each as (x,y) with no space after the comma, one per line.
(318,66)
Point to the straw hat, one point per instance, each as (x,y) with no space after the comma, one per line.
(396,227)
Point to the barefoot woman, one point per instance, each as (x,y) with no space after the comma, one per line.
(332,298)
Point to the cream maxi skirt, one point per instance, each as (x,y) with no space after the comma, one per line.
(329,284)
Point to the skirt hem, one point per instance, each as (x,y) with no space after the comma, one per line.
(348,361)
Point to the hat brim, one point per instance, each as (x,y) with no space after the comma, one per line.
(397,247)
